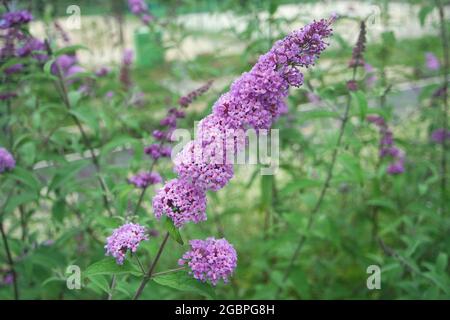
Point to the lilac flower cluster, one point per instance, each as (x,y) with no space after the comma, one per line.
(67,65)
(16,42)
(210,260)
(432,62)
(139,8)
(124,74)
(255,100)
(387,148)
(144,179)
(181,201)
(440,135)
(7,161)
(124,238)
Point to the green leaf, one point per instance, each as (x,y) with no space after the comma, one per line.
(59,210)
(360,98)
(117,142)
(423,13)
(86,117)
(74,97)
(266,191)
(20,199)
(300,184)
(173,231)
(26,177)
(183,282)
(48,67)
(65,174)
(316,114)
(70,49)
(109,266)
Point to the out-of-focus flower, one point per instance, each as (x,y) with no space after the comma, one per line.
(140,9)
(144,179)
(186,100)
(313,98)
(210,260)
(432,62)
(125,69)
(439,135)
(102,71)
(352,85)
(357,55)
(15,19)
(124,238)
(371,76)
(7,161)
(387,148)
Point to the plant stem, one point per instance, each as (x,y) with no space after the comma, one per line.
(112,287)
(323,191)
(64,96)
(151,269)
(446,67)
(10,260)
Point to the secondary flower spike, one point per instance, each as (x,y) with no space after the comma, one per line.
(124,238)
(210,260)
(7,161)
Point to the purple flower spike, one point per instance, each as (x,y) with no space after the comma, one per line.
(144,179)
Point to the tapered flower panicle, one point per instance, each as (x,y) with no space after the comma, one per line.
(181,201)
(387,148)
(144,179)
(127,237)
(210,260)
(7,161)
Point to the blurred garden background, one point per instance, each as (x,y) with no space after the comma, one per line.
(336,206)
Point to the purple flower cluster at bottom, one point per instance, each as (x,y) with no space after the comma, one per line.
(181,201)
(210,260)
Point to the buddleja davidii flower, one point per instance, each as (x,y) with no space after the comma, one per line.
(181,201)
(210,260)
(15,19)
(143,180)
(139,8)
(124,238)
(7,161)
(387,147)
(440,135)
(186,100)
(256,99)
